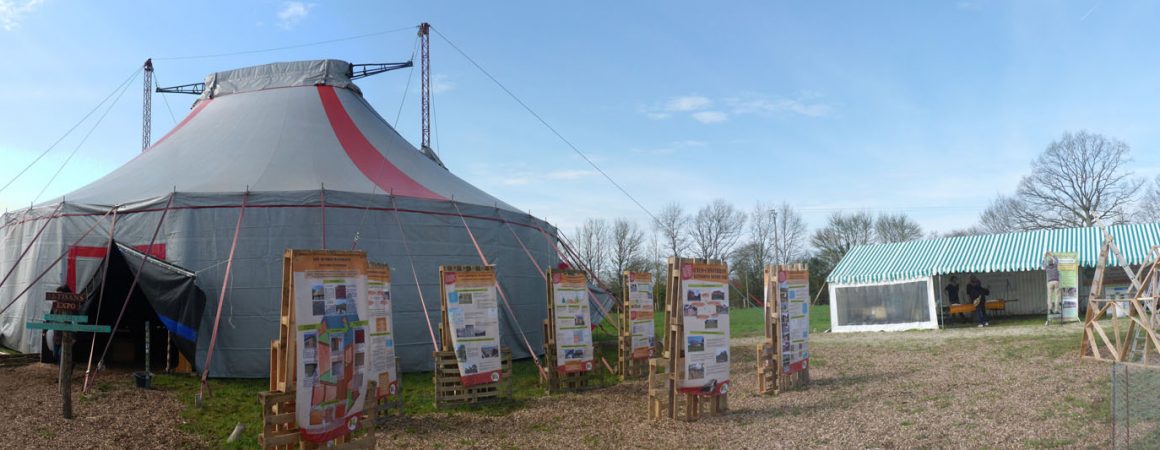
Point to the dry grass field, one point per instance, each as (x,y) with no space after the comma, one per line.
(1013,385)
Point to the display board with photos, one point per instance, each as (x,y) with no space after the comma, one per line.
(332,322)
(382,330)
(471,322)
(791,298)
(1062,271)
(704,290)
(571,328)
(639,307)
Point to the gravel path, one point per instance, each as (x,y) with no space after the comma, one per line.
(115,415)
(994,387)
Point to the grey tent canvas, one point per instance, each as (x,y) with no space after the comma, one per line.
(315,167)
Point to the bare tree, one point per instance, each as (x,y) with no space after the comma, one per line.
(592,245)
(716,229)
(1001,216)
(759,248)
(841,234)
(670,223)
(896,228)
(1077,180)
(1149,210)
(627,247)
(789,235)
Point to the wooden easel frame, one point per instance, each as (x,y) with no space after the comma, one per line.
(554,381)
(770,379)
(628,367)
(279,425)
(665,374)
(449,388)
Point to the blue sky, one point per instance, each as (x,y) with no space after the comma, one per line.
(928,108)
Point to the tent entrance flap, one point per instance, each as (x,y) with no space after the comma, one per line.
(165,296)
(883,304)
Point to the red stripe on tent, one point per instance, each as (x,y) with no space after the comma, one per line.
(196,109)
(363,154)
(74,252)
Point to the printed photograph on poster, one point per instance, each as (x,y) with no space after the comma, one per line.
(696,371)
(722,355)
(696,344)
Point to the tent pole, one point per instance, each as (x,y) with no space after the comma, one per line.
(221,300)
(137,277)
(499,289)
(414,274)
(100,300)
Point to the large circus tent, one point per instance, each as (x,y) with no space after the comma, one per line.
(272,157)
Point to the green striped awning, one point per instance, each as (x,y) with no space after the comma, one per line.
(1009,252)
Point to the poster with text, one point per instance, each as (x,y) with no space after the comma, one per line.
(572,327)
(705,296)
(331,325)
(382,337)
(1068,285)
(473,317)
(640,314)
(793,301)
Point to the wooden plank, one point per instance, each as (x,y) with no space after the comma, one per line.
(69,318)
(74,327)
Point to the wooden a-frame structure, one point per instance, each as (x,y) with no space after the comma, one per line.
(1133,338)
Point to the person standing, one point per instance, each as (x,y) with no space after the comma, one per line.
(952,290)
(1051,266)
(978,295)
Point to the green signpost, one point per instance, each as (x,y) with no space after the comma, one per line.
(67,324)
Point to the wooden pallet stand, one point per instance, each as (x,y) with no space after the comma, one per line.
(450,392)
(628,367)
(770,377)
(279,424)
(280,432)
(449,389)
(665,374)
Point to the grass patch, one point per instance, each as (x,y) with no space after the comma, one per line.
(233,401)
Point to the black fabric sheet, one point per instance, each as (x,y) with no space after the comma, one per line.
(164,293)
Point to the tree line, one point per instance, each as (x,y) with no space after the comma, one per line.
(1078,180)
(749,240)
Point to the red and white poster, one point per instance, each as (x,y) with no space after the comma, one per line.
(792,294)
(331,328)
(572,322)
(640,314)
(473,317)
(705,294)
(382,337)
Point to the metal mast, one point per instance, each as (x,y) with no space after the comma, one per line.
(425,44)
(147,111)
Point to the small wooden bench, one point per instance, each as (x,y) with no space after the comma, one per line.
(968,308)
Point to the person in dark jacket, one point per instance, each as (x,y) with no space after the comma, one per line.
(952,290)
(978,295)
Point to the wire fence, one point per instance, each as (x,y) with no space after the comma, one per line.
(1135,407)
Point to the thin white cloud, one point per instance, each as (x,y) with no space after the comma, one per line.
(710,116)
(968,5)
(293,13)
(701,108)
(12,12)
(688,103)
(439,84)
(807,104)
